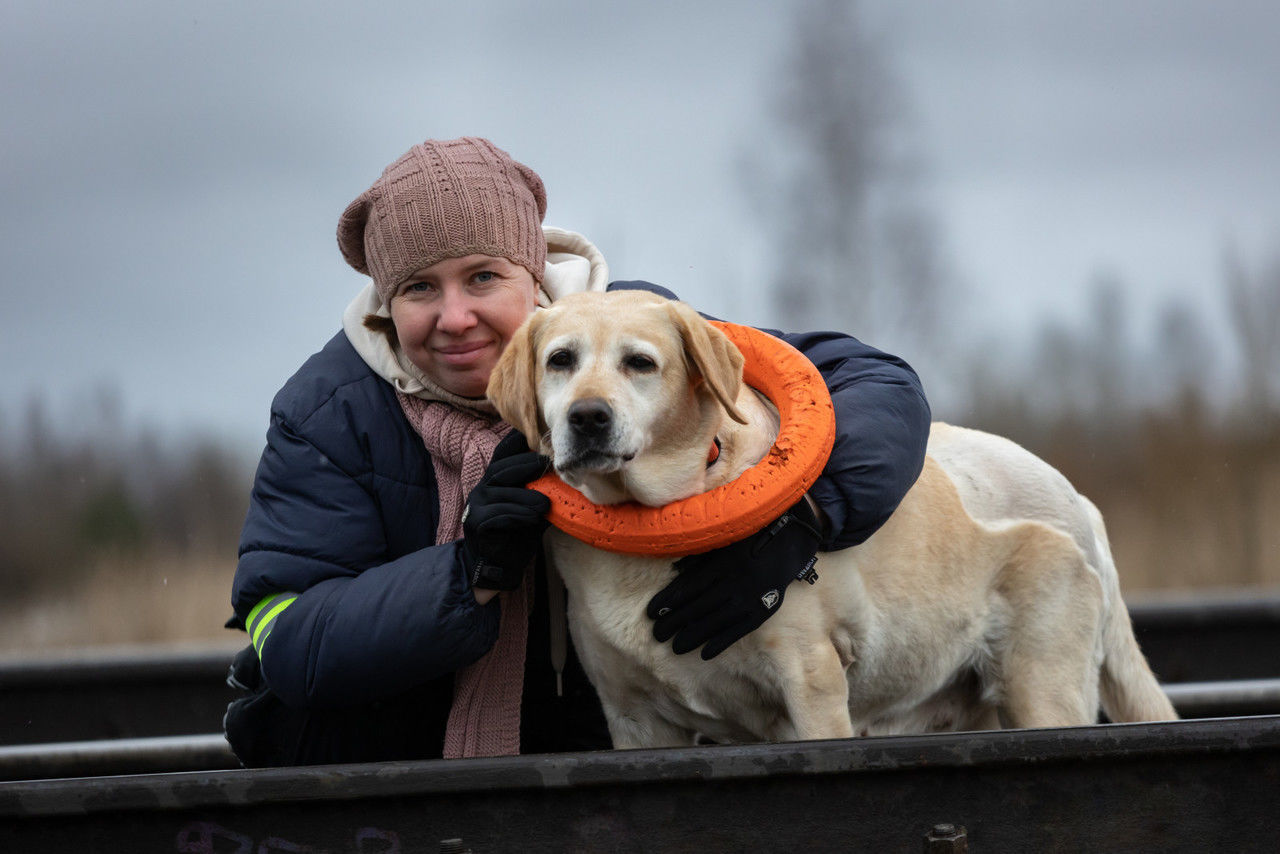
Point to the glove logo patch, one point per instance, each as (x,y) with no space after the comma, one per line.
(770,599)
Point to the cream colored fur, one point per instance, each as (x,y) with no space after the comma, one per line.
(988,598)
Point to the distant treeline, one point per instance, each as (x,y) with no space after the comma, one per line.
(1190,491)
(1175,438)
(67,504)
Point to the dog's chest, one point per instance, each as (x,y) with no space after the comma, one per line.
(609,592)
(608,597)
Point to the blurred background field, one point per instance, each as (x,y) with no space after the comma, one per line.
(1067,219)
(115,541)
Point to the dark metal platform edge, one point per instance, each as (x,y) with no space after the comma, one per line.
(840,757)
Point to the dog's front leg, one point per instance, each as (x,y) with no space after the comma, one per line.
(639,726)
(816,691)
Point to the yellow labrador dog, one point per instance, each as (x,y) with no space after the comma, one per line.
(988,598)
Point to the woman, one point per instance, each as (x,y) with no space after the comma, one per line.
(388,509)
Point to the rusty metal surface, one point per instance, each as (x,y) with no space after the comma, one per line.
(1205,785)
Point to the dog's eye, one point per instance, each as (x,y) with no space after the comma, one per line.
(639,362)
(561,360)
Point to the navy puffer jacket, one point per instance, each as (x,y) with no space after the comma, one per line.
(343,512)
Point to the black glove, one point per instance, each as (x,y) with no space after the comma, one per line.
(723,594)
(503,522)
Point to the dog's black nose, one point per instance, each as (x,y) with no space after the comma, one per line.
(590,417)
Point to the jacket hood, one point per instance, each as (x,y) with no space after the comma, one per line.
(574,265)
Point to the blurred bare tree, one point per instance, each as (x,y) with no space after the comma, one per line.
(857,251)
(1085,376)
(1253,301)
(1184,355)
(1107,352)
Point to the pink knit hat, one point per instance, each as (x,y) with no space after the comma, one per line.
(445,199)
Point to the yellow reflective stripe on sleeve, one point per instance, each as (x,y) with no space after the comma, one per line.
(257,609)
(253,623)
(267,620)
(263,617)
(258,644)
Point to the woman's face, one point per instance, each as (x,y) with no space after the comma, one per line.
(455,317)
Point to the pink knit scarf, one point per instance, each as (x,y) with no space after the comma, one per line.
(485,718)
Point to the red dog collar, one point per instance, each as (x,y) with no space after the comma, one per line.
(737,509)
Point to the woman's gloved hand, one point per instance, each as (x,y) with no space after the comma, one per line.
(722,595)
(503,522)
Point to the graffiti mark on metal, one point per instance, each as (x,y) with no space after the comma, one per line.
(203,837)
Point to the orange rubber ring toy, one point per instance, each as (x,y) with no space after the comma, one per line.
(736,509)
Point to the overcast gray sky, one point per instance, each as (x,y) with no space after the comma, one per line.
(172,173)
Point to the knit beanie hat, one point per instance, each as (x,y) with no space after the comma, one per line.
(445,199)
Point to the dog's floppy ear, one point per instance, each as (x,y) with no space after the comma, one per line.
(712,356)
(513,386)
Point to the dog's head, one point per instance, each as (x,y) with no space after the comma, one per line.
(624,391)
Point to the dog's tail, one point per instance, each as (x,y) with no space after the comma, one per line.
(1128,690)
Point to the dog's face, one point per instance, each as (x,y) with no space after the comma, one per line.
(622,390)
